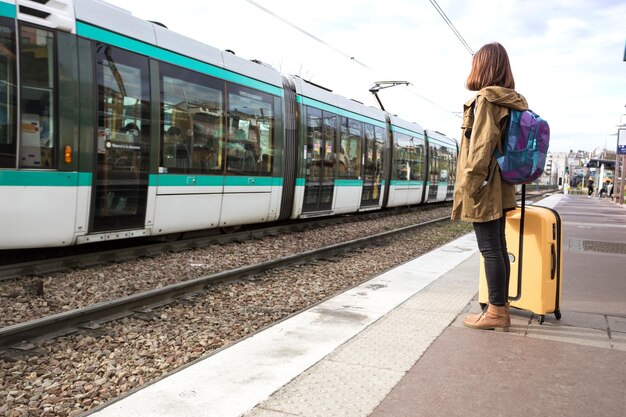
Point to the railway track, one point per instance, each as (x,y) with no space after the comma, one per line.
(22,336)
(48,262)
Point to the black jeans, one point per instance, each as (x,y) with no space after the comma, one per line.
(492,246)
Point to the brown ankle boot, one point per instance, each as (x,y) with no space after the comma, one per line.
(492,318)
(508,313)
(473,317)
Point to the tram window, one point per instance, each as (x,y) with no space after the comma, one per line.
(444,166)
(37,71)
(373,150)
(417,149)
(7,94)
(452,176)
(329,133)
(314,142)
(408,157)
(350,149)
(379,149)
(192,133)
(123,110)
(434,164)
(369,166)
(250,148)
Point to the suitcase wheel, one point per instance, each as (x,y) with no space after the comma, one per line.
(541,318)
(557,314)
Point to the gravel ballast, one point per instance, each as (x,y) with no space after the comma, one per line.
(72,374)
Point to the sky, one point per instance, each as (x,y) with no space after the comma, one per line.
(566,55)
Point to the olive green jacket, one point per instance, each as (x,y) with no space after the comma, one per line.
(480,195)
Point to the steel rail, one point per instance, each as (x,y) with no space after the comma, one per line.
(46,266)
(22,335)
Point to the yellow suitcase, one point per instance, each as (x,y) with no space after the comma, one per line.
(538,264)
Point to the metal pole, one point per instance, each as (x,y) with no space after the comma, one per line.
(377,99)
(379,85)
(623,178)
(616,174)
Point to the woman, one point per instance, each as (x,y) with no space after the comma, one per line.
(480,195)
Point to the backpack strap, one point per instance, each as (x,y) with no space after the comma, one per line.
(505,131)
(500,145)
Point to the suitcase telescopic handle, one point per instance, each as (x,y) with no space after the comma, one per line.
(553,257)
(520,253)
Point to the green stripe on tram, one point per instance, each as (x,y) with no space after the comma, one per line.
(349,183)
(337,110)
(405,182)
(407,131)
(183,180)
(44,179)
(175,180)
(7,10)
(301,182)
(440,142)
(244,181)
(102,35)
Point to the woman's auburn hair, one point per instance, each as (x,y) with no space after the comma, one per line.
(490,67)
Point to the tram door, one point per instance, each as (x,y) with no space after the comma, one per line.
(320,160)
(372,165)
(433,175)
(123,140)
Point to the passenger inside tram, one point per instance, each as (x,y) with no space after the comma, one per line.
(130,129)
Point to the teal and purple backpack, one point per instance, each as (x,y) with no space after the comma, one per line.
(524,147)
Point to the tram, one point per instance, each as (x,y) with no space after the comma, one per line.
(113,127)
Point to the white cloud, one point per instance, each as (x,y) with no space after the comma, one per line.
(566,55)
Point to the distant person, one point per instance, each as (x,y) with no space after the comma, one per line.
(605,188)
(589,187)
(480,195)
(610,189)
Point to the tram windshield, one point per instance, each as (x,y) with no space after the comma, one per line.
(37,70)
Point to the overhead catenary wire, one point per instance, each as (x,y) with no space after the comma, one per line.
(449,23)
(411,88)
(298,28)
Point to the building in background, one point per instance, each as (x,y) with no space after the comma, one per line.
(577,167)
(554,171)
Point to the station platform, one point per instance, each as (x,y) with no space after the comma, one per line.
(395,346)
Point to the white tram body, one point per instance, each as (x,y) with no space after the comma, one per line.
(340,148)
(442,157)
(121,128)
(408,165)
